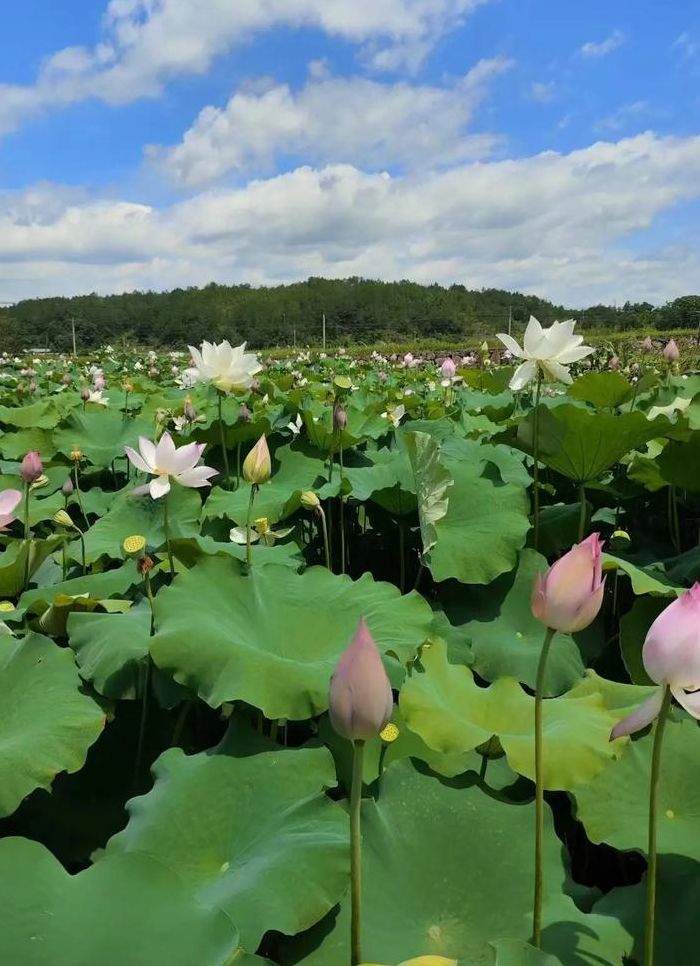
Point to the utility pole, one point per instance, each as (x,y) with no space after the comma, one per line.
(324,330)
(510,318)
(294,336)
(72,325)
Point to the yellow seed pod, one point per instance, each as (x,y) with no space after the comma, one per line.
(262,525)
(134,545)
(390,733)
(76,454)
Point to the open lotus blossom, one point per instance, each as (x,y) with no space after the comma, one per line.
(671,658)
(360,699)
(548,351)
(568,597)
(165,460)
(8,501)
(228,367)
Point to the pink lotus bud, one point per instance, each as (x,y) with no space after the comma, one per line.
(382,377)
(67,488)
(360,699)
(647,344)
(31,468)
(408,359)
(448,368)
(340,418)
(67,379)
(671,657)
(635,367)
(257,465)
(85,394)
(568,597)
(614,363)
(189,411)
(99,383)
(671,353)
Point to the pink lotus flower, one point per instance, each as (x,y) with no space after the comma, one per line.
(257,466)
(448,368)
(647,344)
(31,468)
(614,363)
(8,501)
(568,597)
(671,353)
(671,658)
(360,699)
(165,460)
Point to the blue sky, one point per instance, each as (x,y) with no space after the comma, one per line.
(526,144)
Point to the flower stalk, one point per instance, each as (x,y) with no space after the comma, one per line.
(539,793)
(650,926)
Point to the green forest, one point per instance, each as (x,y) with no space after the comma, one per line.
(356,310)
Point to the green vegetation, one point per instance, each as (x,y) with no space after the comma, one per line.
(357,311)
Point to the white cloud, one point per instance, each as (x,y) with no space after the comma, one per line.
(554,224)
(145,42)
(352,120)
(602,48)
(542,92)
(625,115)
(687,46)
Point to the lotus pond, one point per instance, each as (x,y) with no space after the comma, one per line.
(187,551)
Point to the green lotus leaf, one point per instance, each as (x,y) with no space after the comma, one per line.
(642,581)
(633,630)
(604,390)
(47,723)
(614,807)
(516,952)
(43,414)
(256,836)
(452,714)
(273,637)
(99,587)
(451,831)
(101,433)
(109,648)
(511,643)
(433,483)
(129,910)
(13,562)
(486,523)
(14,446)
(679,461)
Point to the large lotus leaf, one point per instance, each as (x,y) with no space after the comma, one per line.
(677,903)
(433,483)
(99,586)
(510,463)
(126,911)
(604,390)
(486,523)
(633,630)
(425,961)
(517,952)
(47,723)
(384,475)
(273,637)
(452,714)
(43,414)
(13,446)
(614,808)
(293,472)
(580,444)
(256,836)
(511,644)
(109,648)
(642,581)
(129,515)
(432,884)
(679,461)
(100,433)
(13,562)
(361,424)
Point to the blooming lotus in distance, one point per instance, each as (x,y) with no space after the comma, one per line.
(671,658)
(546,351)
(228,367)
(165,460)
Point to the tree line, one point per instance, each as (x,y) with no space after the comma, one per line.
(356,311)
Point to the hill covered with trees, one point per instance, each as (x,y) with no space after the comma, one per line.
(356,311)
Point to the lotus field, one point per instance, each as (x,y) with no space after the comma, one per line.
(334,660)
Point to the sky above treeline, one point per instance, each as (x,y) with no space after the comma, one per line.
(547,147)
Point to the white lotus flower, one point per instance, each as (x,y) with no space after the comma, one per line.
(97,398)
(165,460)
(228,367)
(548,350)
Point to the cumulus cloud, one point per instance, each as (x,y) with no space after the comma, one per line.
(553,224)
(146,42)
(354,120)
(597,49)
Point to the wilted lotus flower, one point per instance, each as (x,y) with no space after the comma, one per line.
(8,501)
(671,658)
(671,353)
(647,344)
(548,350)
(165,460)
(85,394)
(257,466)
(360,699)
(448,368)
(340,417)
(568,597)
(228,367)
(31,468)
